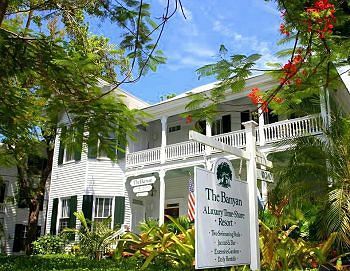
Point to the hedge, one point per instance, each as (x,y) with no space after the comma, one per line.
(70,263)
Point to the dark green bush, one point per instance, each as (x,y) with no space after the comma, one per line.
(49,244)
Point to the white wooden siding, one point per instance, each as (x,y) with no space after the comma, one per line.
(14,215)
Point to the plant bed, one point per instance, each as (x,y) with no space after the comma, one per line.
(71,262)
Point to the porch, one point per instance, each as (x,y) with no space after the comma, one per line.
(266,135)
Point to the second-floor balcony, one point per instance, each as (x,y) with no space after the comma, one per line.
(272,133)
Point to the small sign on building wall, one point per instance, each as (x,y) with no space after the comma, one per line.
(143,181)
(221,217)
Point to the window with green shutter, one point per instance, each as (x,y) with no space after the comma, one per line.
(61,147)
(70,151)
(122,141)
(92,146)
(88,201)
(72,210)
(119,211)
(54,216)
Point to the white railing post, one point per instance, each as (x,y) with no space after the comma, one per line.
(163,144)
(262,142)
(261,126)
(253,194)
(207,133)
(161,196)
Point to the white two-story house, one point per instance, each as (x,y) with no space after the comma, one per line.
(102,188)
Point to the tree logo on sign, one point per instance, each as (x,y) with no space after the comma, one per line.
(224,174)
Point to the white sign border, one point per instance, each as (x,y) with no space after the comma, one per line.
(197,225)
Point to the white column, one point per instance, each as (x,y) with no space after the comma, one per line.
(262,143)
(207,133)
(163,144)
(261,126)
(325,107)
(161,196)
(253,194)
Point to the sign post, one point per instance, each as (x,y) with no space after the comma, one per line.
(214,195)
(252,194)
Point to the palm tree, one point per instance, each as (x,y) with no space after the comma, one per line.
(317,173)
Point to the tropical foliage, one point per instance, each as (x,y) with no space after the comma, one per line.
(314,41)
(160,242)
(74,263)
(285,243)
(316,177)
(95,238)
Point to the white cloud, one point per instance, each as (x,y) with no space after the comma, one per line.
(198,49)
(190,55)
(246,44)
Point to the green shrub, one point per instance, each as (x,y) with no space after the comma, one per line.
(49,244)
(71,262)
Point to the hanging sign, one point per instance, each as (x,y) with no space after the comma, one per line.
(142,194)
(221,217)
(143,188)
(264,175)
(143,181)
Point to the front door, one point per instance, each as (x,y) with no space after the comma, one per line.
(138,215)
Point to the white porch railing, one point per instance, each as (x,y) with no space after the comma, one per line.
(309,125)
(183,150)
(236,138)
(145,157)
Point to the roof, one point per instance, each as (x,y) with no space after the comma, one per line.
(133,101)
(177,104)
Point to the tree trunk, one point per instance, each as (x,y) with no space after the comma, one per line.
(3,7)
(32,233)
(34,205)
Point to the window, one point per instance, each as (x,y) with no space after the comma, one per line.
(174,128)
(101,146)
(201,126)
(70,150)
(20,237)
(172,209)
(216,127)
(68,155)
(21,234)
(107,146)
(64,216)
(222,125)
(103,208)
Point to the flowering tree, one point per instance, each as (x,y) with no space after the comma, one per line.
(318,31)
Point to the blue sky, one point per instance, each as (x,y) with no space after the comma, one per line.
(243,26)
